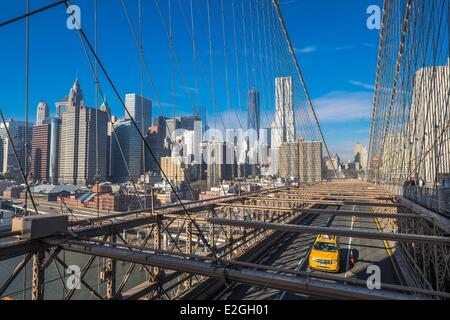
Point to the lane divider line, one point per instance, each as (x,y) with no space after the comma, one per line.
(388,250)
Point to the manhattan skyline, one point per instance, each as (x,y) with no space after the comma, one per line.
(342,98)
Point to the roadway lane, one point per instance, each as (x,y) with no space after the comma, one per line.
(366,251)
(293,253)
(289,253)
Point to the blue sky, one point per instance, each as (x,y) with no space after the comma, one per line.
(337,53)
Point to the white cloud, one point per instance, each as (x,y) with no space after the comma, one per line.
(306,49)
(362,84)
(341,106)
(311,49)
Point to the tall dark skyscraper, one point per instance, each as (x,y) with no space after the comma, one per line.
(156,138)
(254,122)
(253,109)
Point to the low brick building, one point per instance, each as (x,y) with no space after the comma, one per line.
(119,202)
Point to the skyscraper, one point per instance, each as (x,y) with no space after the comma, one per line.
(283,126)
(75,99)
(331,165)
(140,109)
(216,162)
(125,157)
(109,133)
(156,139)
(161,122)
(69,143)
(302,160)
(78,153)
(42,114)
(201,113)
(289,160)
(253,123)
(177,170)
(61,107)
(55,135)
(253,110)
(17,131)
(172,126)
(310,161)
(188,123)
(1,150)
(428,112)
(40,153)
(198,139)
(361,157)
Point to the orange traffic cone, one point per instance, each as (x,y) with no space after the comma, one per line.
(352,260)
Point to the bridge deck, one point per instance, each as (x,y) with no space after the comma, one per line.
(293,253)
(249,255)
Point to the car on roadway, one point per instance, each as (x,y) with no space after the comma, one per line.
(325,255)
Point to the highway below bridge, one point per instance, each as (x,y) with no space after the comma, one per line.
(254,246)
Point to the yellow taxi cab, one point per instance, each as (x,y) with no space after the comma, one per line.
(325,254)
(8,299)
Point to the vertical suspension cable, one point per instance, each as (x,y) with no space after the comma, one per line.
(27,91)
(97,172)
(225,57)
(377,80)
(141,78)
(194,55)
(213,96)
(96,133)
(397,71)
(27,52)
(172,66)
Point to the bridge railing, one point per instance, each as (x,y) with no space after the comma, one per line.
(434,199)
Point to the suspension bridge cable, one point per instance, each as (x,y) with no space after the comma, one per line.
(201,235)
(297,65)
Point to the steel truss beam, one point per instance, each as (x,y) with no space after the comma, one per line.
(19,248)
(115,227)
(327,212)
(323,196)
(38,274)
(253,277)
(362,214)
(412,238)
(337,203)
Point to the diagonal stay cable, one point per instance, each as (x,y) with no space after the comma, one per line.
(31,13)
